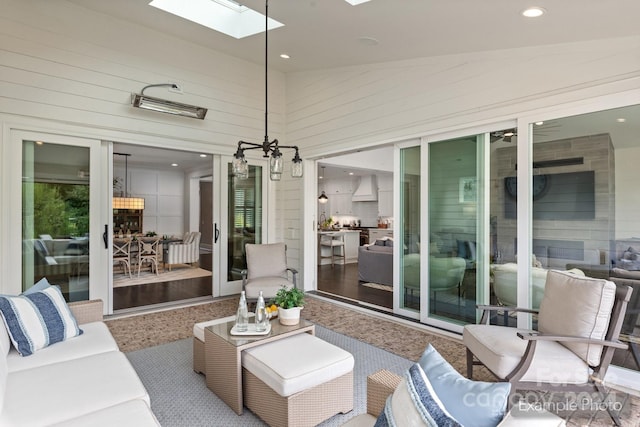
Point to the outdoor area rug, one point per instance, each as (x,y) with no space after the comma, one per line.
(180,397)
(161,331)
(379,286)
(176,273)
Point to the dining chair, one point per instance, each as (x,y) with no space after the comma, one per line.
(122,254)
(148,252)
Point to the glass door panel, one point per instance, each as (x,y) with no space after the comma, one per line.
(55,216)
(503,223)
(584,206)
(244,222)
(410,228)
(453,229)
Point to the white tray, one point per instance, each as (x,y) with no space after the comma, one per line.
(251,330)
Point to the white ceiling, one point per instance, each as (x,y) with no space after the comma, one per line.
(331,33)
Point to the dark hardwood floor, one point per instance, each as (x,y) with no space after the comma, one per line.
(129,297)
(342,280)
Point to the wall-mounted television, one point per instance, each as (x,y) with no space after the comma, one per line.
(561,196)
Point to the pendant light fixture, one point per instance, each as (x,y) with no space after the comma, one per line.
(127,202)
(323,197)
(271,149)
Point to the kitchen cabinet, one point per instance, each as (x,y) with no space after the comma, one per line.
(385,203)
(379,233)
(340,204)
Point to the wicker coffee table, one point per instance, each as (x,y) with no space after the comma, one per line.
(223,354)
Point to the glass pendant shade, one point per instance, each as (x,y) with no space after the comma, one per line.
(275,176)
(296,169)
(323,198)
(240,168)
(275,163)
(296,166)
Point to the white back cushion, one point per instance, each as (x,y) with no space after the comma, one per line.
(578,306)
(266,260)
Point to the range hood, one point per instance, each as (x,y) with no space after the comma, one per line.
(367,190)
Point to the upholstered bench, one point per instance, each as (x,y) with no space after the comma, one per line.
(297,381)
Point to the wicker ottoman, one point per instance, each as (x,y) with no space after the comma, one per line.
(297,381)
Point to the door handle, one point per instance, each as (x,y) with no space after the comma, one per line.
(216,233)
(105,236)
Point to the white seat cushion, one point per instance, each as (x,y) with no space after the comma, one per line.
(500,350)
(96,339)
(70,389)
(268,285)
(297,363)
(132,413)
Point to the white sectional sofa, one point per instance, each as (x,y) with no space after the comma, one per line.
(82,381)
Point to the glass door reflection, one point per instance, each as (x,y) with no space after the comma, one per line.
(55,221)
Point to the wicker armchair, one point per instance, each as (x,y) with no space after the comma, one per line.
(379,386)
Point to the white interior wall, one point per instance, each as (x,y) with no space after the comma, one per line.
(627,194)
(164,198)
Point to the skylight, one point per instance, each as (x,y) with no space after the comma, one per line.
(226,16)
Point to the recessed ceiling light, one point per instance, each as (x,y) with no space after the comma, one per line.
(356,2)
(539,123)
(533,12)
(284,56)
(621,120)
(175,165)
(350,173)
(203,155)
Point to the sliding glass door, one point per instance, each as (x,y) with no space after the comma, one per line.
(244,220)
(55,217)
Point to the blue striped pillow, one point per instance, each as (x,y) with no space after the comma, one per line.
(38,319)
(414,402)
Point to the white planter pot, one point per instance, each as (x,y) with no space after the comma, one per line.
(289,316)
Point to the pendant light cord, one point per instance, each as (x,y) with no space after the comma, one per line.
(266,58)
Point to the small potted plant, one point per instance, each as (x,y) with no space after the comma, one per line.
(289,302)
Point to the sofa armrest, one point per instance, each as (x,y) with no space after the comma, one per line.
(87,311)
(379,386)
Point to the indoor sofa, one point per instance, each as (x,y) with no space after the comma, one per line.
(80,381)
(375,262)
